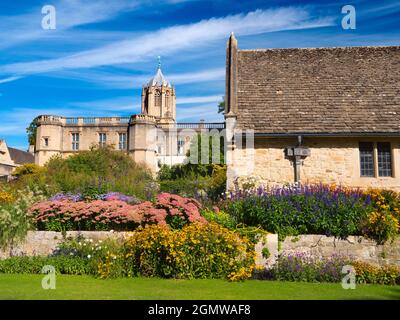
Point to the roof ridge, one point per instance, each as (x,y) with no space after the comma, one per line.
(321,48)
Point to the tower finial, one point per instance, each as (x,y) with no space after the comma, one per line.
(159,62)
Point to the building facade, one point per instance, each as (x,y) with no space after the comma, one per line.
(10,158)
(328,115)
(152,137)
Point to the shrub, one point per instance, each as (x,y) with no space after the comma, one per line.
(27,169)
(383,223)
(33,265)
(306,209)
(381,226)
(69,212)
(6,197)
(367,273)
(94,215)
(179,210)
(199,180)
(14,223)
(196,251)
(99,171)
(220,217)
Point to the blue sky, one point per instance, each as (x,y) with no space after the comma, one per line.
(101,53)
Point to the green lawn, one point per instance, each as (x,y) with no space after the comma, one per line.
(85,287)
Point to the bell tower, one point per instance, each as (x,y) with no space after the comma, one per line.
(158,98)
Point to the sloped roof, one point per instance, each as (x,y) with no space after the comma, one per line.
(20,157)
(324,90)
(159,79)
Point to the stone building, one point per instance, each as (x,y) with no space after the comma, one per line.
(10,158)
(326,114)
(153,136)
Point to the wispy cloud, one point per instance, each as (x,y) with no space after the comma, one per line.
(202,99)
(207,112)
(9,79)
(69,14)
(124,80)
(173,39)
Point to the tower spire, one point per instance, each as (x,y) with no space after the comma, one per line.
(159,62)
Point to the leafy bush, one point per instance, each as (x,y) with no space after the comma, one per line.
(6,197)
(93,215)
(196,251)
(381,226)
(99,171)
(27,169)
(383,223)
(367,273)
(224,219)
(14,223)
(220,217)
(34,265)
(69,212)
(306,209)
(197,179)
(179,210)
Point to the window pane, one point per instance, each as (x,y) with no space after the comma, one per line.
(384,159)
(122,141)
(367,159)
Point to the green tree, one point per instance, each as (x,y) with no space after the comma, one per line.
(32,131)
(221,106)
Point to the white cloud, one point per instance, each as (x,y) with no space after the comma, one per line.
(69,14)
(175,39)
(114,105)
(202,99)
(9,79)
(207,112)
(126,81)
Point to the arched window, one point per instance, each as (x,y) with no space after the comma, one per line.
(157,98)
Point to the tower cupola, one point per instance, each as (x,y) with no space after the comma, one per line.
(158,97)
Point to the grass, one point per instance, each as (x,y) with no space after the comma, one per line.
(13,286)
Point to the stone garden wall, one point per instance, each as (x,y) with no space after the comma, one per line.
(359,248)
(44,242)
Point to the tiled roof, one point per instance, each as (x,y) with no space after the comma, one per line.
(326,90)
(20,157)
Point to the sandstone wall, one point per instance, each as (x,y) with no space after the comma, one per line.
(319,246)
(332,160)
(42,243)
(45,242)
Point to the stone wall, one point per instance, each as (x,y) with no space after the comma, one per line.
(332,160)
(45,242)
(359,248)
(318,246)
(42,243)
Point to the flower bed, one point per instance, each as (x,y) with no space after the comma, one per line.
(303,267)
(112,212)
(318,209)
